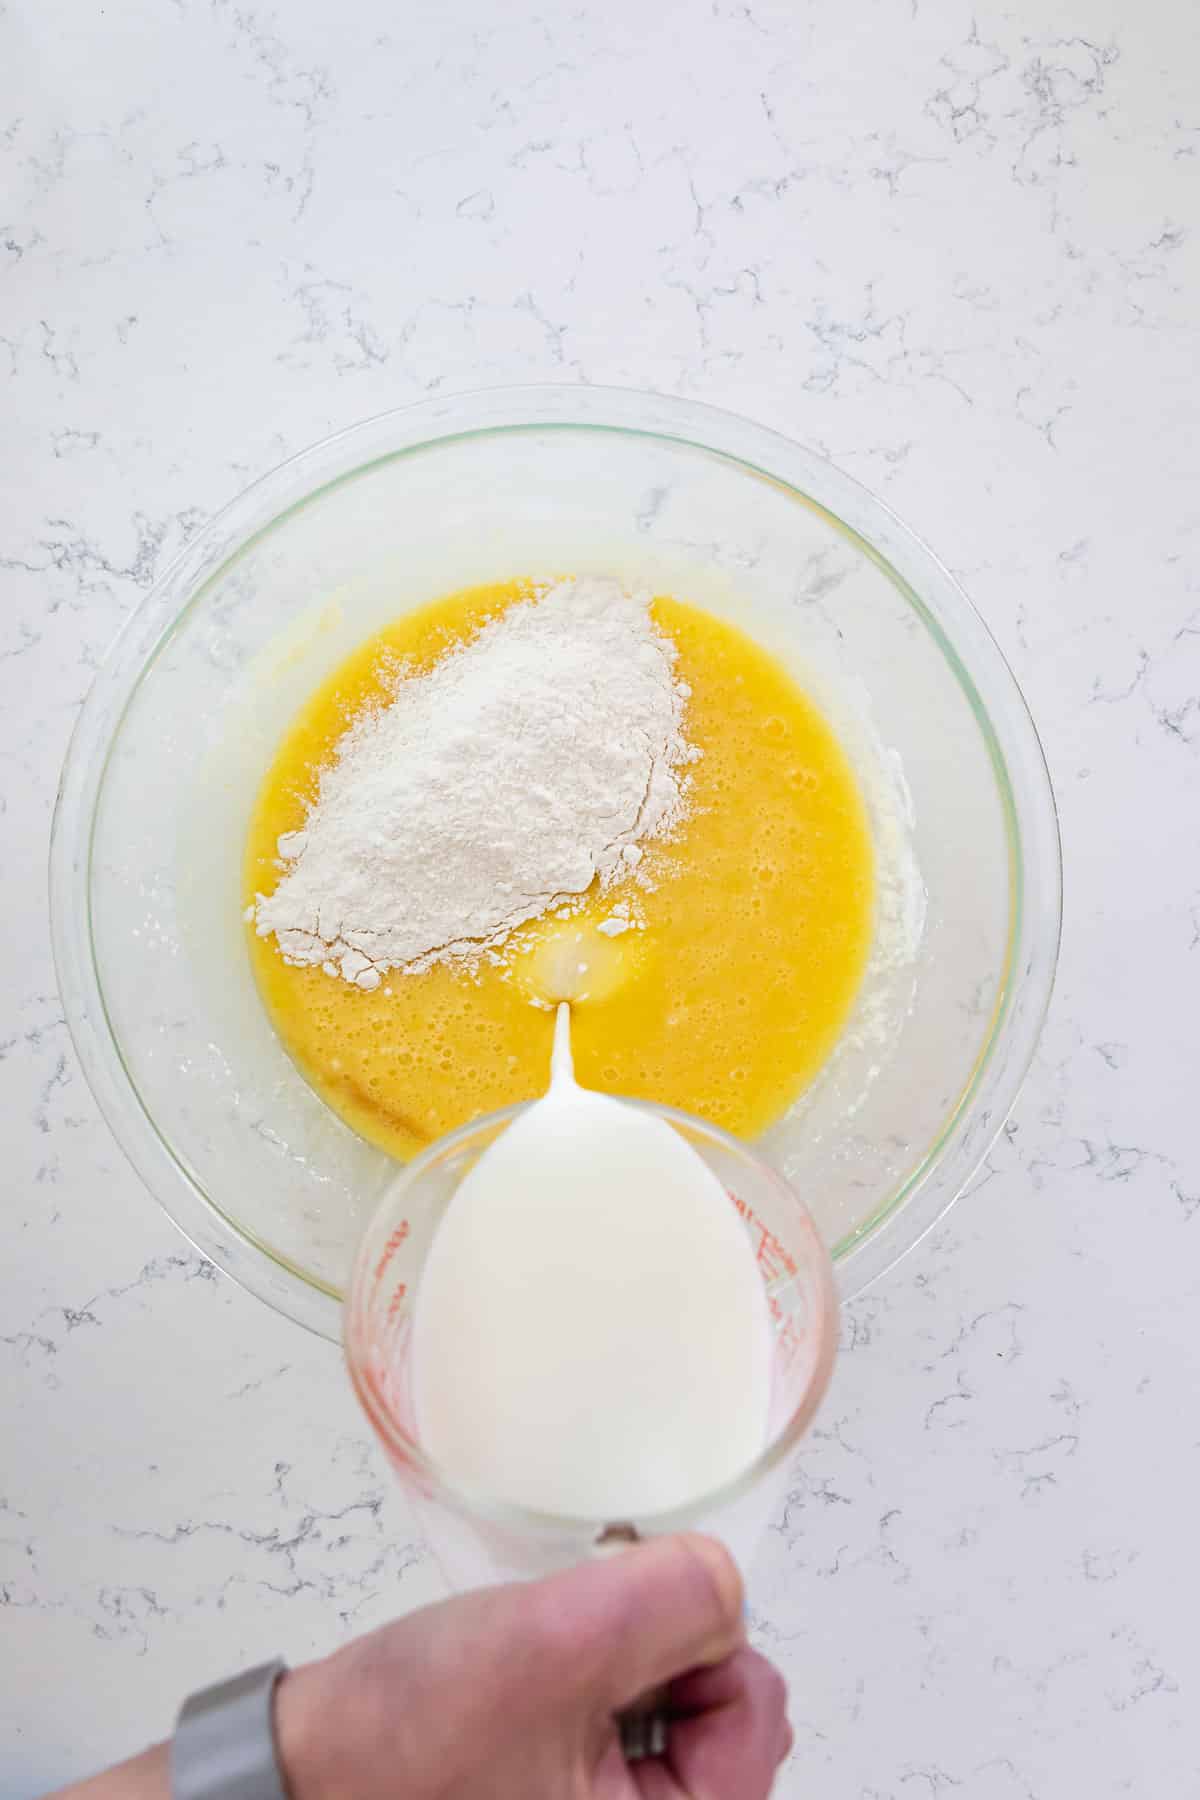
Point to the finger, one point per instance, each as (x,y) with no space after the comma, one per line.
(630,1623)
(729,1747)
(702,1689)
(653,1780)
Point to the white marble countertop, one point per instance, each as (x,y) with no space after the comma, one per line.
(955,249)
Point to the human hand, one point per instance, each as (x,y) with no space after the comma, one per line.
(512,1693)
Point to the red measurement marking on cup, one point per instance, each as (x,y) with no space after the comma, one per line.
(769,1253)
(786,1337)
(776,1265)
(390,1248)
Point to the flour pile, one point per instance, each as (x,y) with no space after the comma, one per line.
(523,766)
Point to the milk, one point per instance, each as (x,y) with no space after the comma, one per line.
(590,1332)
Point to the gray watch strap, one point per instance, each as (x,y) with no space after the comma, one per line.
(224,1743)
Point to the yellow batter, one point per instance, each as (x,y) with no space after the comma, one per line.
(756,931)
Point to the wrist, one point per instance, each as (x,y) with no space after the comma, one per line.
(144,1777)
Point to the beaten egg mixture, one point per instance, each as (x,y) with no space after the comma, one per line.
(755,917)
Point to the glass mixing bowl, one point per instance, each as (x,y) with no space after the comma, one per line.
(185,715)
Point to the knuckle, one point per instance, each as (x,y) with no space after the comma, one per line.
(768,1686)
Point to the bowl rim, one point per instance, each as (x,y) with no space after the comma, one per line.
(990,1089)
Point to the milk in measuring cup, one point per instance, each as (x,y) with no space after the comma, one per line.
(591,1333)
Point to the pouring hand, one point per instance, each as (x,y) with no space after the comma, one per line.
(512,1693)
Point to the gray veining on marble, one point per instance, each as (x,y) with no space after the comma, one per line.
(956,249)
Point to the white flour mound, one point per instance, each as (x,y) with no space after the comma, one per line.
(521,767)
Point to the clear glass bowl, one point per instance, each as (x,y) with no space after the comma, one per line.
(185,714)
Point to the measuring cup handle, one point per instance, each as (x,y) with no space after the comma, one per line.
(643,1726)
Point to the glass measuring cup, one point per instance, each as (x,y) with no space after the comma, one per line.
(478,1538)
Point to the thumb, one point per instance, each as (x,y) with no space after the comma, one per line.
(639,1618)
